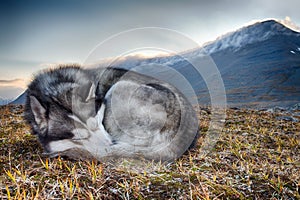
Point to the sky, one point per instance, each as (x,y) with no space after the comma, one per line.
(36,34)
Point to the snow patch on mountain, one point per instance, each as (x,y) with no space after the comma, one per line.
(254,33)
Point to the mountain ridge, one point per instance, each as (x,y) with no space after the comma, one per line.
(256,32)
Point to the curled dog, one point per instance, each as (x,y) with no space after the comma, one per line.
(106,113)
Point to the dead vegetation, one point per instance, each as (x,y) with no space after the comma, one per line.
(256,157)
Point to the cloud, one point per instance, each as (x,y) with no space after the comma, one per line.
(290,24)
(17,83)
(10,89)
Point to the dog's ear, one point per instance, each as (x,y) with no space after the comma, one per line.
(92,93)
(39,113)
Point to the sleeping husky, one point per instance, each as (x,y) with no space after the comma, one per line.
(109,113)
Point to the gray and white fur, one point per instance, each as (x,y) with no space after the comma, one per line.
(109,113)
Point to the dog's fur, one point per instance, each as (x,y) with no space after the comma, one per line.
(109,113)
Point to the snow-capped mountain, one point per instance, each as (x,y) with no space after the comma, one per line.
(259,65)
(265,70)
(254,33)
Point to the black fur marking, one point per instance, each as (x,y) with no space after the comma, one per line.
(46,88)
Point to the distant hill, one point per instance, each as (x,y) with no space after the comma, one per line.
(20,99)
(4,101)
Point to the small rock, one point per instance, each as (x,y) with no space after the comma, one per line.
(245,134)
(276,133)
(289,133)
(113,190)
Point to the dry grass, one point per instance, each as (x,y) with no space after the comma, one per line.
(257,156)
